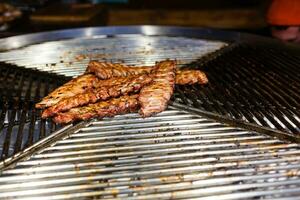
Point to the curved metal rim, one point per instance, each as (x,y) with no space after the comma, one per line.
(205,33)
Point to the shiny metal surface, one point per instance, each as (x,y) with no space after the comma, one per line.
(70,57)
(174,155)
(177,154)
(211,34)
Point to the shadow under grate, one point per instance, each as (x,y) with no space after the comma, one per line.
(252,83)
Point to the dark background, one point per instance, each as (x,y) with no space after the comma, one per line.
(43,15)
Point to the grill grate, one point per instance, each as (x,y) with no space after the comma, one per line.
(19,121)
(177,154)
(251,83)
(174,155)
(257,85)
(247,82)
(24,86)
(70,57)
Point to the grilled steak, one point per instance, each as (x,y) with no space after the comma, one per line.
(154,97)
(133,84)
(71,88)
(105,70)
(188,77)
(112,107)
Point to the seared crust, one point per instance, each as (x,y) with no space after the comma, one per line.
(79,85)
(114,80)
(75,86)
(133,84)
(189,77)
(105,70)
(110,108)
(154,97)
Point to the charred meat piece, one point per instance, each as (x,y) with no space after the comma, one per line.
(154,97)
(115,81)
(110,108)
(105,70)
(108,70)
(189,77)
(79,85)
(134,84)
(71,88)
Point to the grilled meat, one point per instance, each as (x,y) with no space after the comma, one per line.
(133,84)
(114,81)
(71,88)
(188,77)
(154,97)
(79,85)
(112,107)
(108,70)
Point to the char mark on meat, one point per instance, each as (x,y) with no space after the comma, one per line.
(133,85)
(110,108)
(79,85)
(69,89)
(105,70)
(154,97)
(189,77)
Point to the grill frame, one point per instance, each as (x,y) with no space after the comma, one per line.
(14,42)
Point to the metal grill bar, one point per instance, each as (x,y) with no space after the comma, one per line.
(256,85)
(258,75)
(21,87)
(70,57)
(176,154)
(20,124)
